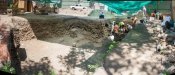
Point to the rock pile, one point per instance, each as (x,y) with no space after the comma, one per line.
(25,30)
(164,45)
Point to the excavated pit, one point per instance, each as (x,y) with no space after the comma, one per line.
(68,30)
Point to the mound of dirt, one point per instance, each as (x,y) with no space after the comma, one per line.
(58,27)
(25,30)
(37,26)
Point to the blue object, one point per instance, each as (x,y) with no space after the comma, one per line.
(125,6)
(171,23)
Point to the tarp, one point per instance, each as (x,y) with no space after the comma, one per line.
(128,7)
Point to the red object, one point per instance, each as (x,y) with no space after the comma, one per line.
(153,14)
(4,53)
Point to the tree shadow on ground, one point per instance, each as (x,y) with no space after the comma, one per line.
(79,57)
(14,50)
(125,58)
(34,68)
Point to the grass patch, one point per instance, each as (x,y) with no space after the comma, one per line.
(102,56)
(8,68)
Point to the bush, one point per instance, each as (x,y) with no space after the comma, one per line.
(7,68)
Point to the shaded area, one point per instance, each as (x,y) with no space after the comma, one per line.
(135,55)
(34,68)
(13,47)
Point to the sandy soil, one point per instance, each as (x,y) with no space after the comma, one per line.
(68,11)
(134,56)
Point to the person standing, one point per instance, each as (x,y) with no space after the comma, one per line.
(112,26)
(144,11)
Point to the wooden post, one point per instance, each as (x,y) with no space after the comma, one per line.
(173,10)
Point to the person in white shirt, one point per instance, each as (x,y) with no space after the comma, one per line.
(167,18)
(165,24)
(144,11)
(112,26)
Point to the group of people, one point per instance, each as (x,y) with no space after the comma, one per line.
(121,28)
(167,23)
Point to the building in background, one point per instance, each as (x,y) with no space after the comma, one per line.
(25,5)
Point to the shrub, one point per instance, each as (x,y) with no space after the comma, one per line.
(7,68)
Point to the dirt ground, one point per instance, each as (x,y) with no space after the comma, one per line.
(69,11)
(134,56)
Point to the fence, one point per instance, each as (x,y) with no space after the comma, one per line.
(161,6)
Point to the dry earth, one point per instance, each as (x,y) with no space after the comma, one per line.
(134,56)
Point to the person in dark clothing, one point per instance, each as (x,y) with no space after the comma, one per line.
(35,8)
(167,24)
(155,11)
(161,17)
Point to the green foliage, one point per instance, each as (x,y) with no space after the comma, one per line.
(165,72)
(102,56)
(40,73)
(92,67)
(7,68)
(52,72)
(11,6)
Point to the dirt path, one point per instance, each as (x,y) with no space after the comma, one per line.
(135,56)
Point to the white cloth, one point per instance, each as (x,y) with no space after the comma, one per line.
(144,11)
(167,18)
(111,37)
(129,26)
(151,18)
(112,26)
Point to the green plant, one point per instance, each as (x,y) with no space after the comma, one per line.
(165,72)
(7,68)
(10,6)
(52,72)
(40,73)
(92,67)
(102,56)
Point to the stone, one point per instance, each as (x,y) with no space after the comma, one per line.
(171,69)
